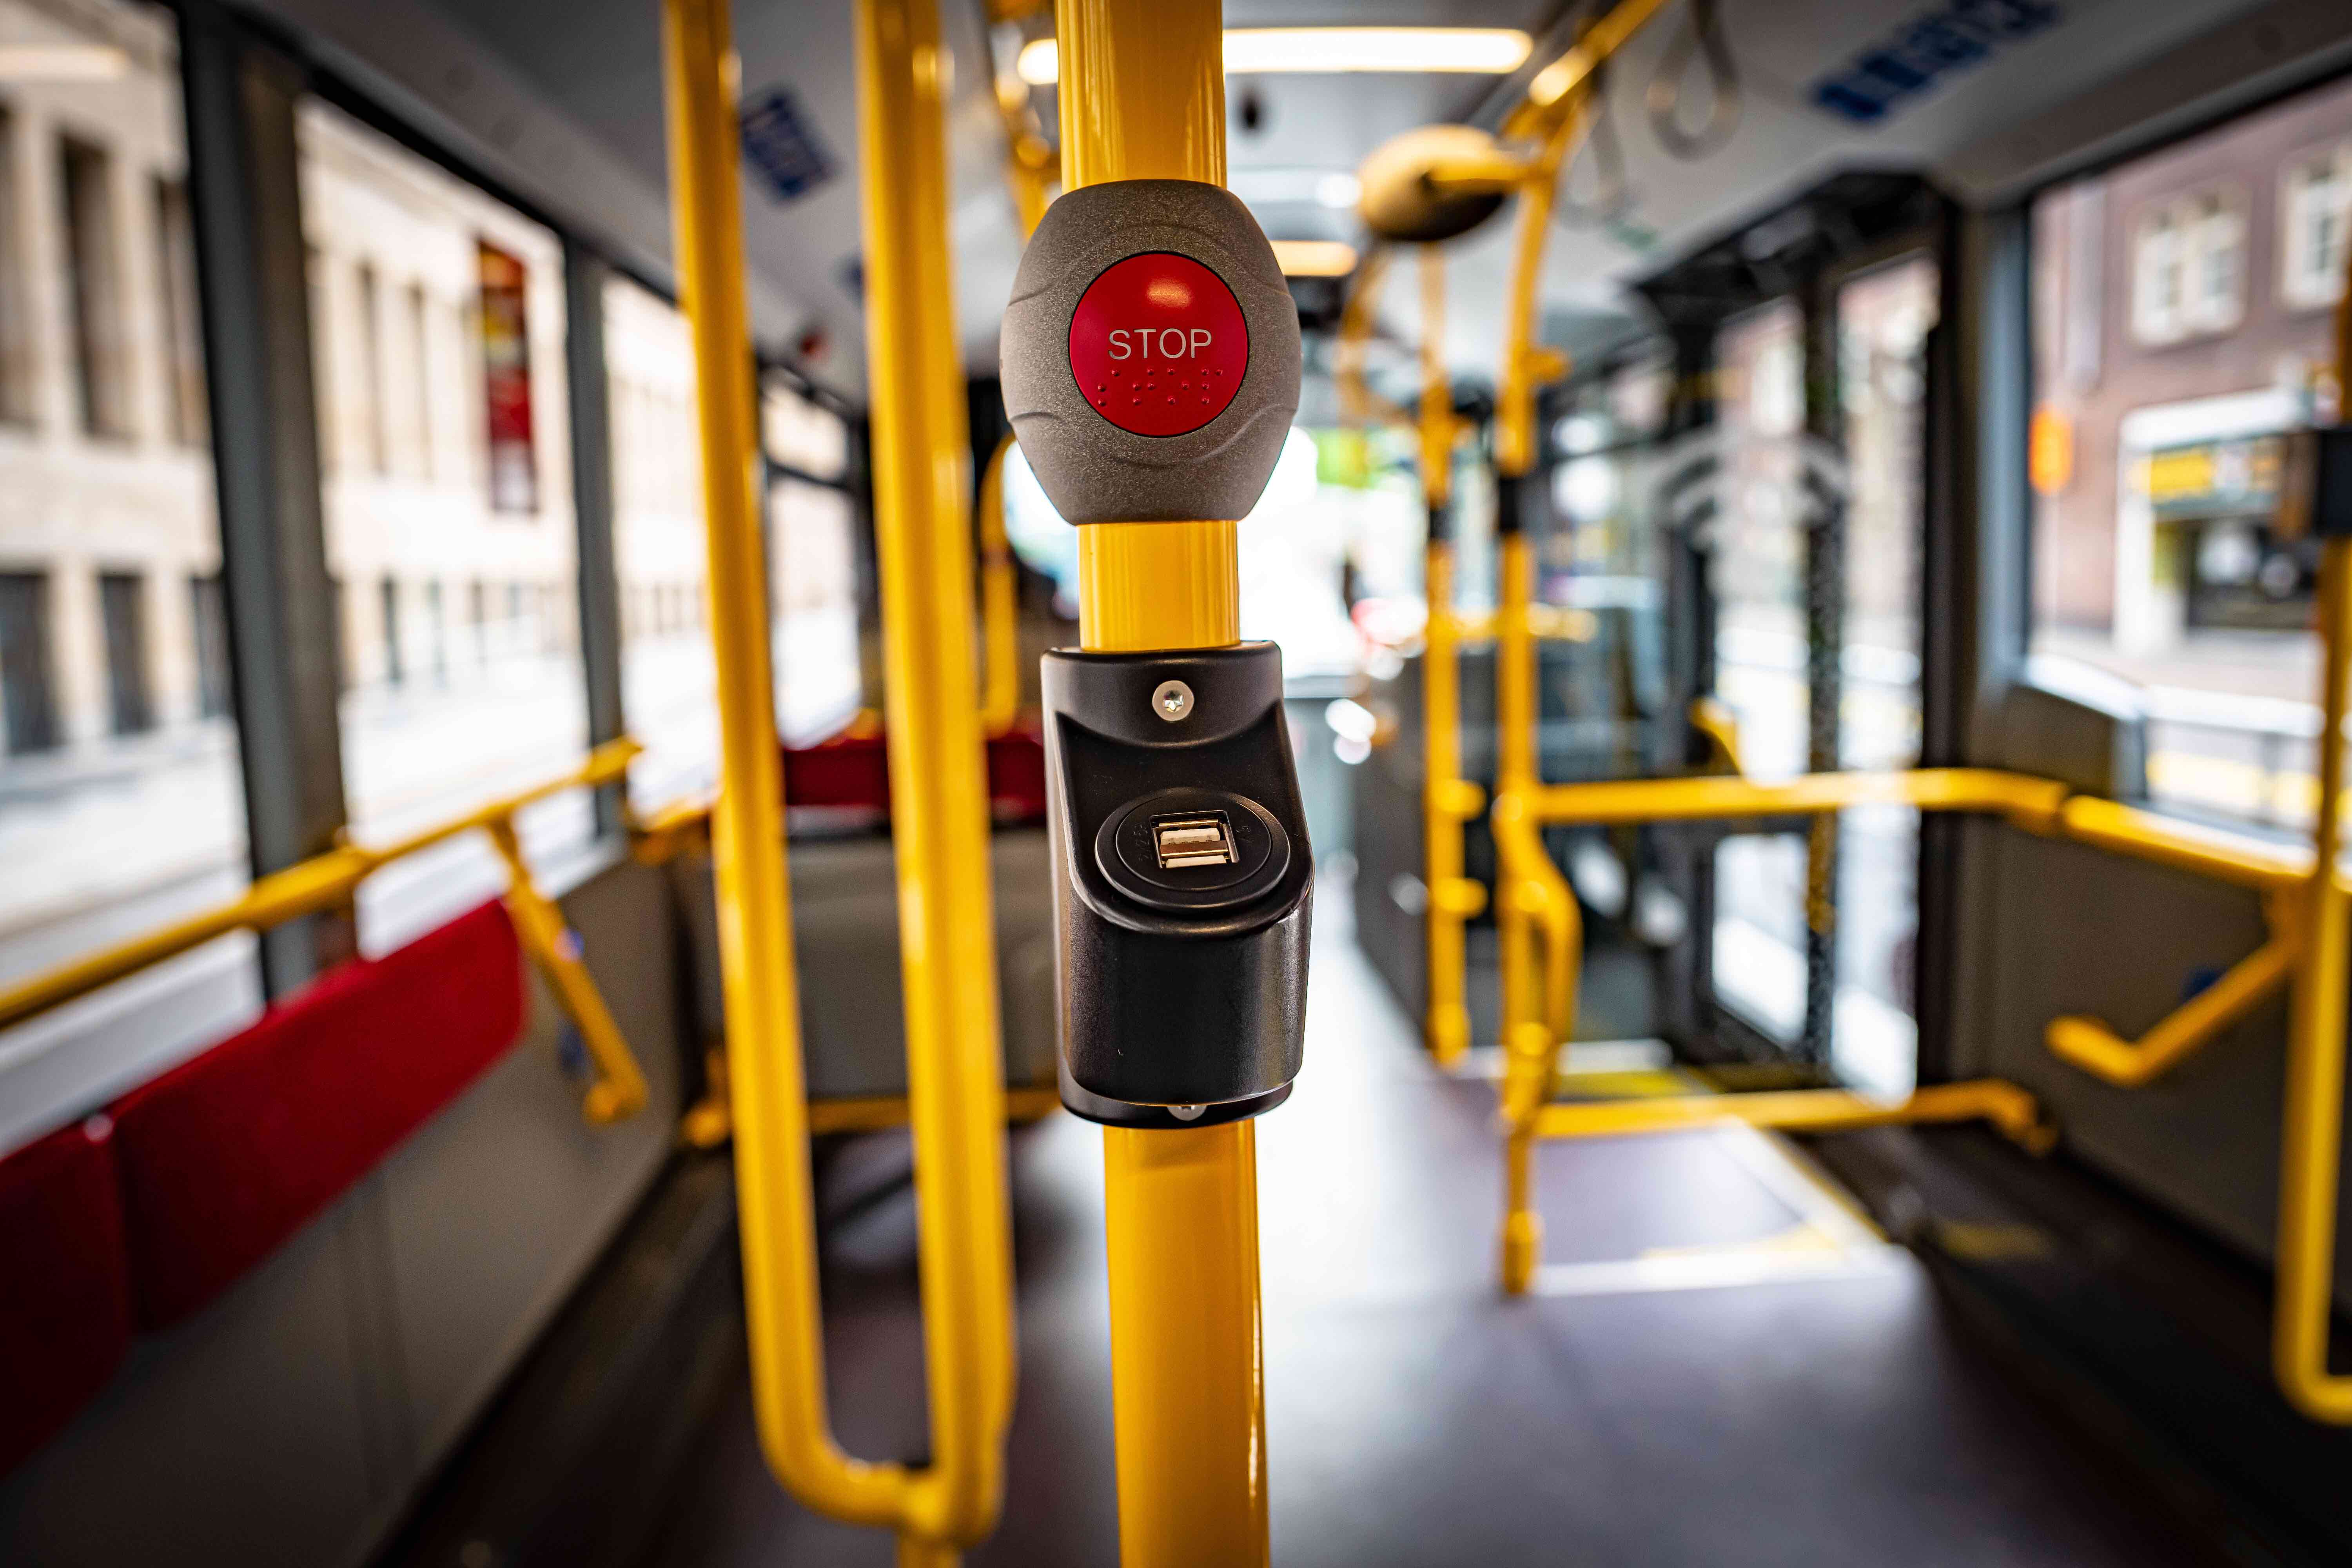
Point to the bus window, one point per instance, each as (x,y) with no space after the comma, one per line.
(812,566)
(669,683)
(121,805)
(437,335)
(2181,308)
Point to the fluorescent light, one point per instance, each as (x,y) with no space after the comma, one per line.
(1342,191)
(1249,51)
(1496,51)
(1315,257)
(62,62)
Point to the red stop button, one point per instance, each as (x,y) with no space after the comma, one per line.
(1157,344)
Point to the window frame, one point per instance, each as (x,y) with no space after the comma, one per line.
(2188,219)
(2296,292)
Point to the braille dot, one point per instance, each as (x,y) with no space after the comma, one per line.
(1172,403)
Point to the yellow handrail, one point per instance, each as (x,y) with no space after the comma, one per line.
(2311,1152)
(328,880)
(2008,1108)
(1449,802)
(1000,611)
(2090,1045)
(955,1081)
(1360,405)
(2190,846)
(1713,719)
(2019,796)
(939,777)
(778,1223)
(2042,805)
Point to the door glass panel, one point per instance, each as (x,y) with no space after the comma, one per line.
(1884,317)
(1757,578)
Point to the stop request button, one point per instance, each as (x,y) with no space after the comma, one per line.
(1158,345)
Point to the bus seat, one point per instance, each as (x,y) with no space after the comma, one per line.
(853,771)
(846,943)
(226,1155)
(65,1289)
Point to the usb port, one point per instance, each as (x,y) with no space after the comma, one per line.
(1184,842)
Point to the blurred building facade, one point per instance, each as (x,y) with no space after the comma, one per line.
(2182,304)
(438,334)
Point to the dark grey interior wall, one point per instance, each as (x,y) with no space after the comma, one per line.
(2064,928)
(291,1421)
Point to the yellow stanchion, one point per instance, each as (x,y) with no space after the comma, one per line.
(2311,1148)
(954,1075)
(999,608)
(939,774)
(1142,96)
(1449,801)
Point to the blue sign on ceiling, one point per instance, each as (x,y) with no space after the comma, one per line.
(1947,40)
(782,146)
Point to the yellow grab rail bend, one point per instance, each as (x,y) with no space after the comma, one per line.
(327,882)
(955,1082)
(939,777)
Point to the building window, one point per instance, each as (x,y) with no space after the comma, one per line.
(2314,215)
(94,271)
(208,614)
(436,624)
(2188,271)
(371,371)
(176,272)
(388,604)
(2157,280)
(122,606)
(420,382)
(322,360)
(16,319)
(27,692)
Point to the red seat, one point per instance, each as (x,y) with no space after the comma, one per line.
(227,1155)
(65,1283)
(854,772)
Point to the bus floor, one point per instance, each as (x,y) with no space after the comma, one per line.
(1720,1364)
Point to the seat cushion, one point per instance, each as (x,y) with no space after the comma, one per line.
(65,1283)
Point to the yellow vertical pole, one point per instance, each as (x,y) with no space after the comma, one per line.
(1000,608)
(1529,1049)
(772,1174)
(1453,898)
(1144,97)
(939,789)
(2311,1144)
(1029,161)
(954,1075)
(2311,1151)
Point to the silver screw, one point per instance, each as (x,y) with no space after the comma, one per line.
(1186,1113)
(1172,700)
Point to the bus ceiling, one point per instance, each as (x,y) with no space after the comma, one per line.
(558,104)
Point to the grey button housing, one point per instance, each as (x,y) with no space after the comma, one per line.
(1092,471)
